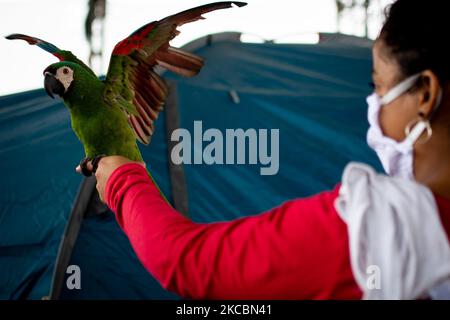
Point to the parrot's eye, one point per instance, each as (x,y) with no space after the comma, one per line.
(65,71)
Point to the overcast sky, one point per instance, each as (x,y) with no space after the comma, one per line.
(61,22)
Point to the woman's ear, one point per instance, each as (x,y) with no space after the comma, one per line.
(428,93)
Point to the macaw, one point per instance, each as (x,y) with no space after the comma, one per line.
(108,116)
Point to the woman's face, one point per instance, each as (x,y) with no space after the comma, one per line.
(395,116)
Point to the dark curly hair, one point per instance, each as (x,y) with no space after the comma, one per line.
(415,35)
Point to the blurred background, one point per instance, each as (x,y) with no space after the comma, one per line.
(91,28)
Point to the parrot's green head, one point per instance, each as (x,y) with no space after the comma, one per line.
(65,78)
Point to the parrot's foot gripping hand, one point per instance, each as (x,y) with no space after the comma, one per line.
(95,160)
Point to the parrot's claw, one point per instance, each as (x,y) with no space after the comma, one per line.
(83,165)
(94,161)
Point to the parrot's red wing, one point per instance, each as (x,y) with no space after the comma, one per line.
(62,55)
(131,79)
(47,46)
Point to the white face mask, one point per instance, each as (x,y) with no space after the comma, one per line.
(396,157)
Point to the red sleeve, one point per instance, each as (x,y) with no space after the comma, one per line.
(298,250)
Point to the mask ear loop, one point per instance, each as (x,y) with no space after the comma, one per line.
(399,89)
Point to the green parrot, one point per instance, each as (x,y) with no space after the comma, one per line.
(108,116)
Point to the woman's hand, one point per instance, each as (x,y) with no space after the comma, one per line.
(106,166)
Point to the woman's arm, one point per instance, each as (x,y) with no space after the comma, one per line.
(298,250)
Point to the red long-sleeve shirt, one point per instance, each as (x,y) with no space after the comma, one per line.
(298,250)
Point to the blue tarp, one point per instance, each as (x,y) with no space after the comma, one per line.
(314,95)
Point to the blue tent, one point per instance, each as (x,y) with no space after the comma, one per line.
(49,218)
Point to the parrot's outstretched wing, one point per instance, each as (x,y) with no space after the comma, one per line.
(62,55)
(131,79)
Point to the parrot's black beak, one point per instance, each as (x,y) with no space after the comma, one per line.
(53,85)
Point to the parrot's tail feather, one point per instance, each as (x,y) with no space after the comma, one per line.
(179,61)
